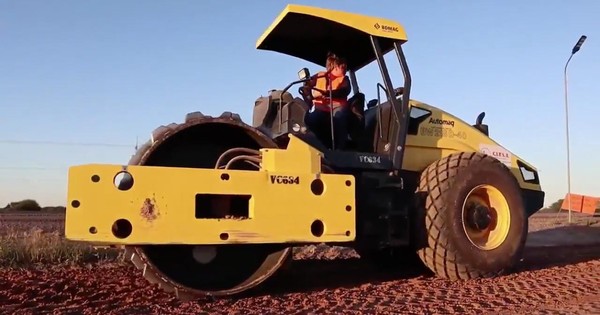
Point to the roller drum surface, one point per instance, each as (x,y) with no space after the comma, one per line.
(192,271)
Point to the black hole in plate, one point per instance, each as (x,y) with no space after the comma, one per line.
(348,208)
(317,228)
(75,203)
(348,183)
(224,236)
(93,230)
(95,178)
(225,176)
(122,228)
(317,187)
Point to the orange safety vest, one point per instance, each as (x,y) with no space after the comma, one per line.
(327,83)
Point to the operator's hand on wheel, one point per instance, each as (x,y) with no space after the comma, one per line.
(317,92)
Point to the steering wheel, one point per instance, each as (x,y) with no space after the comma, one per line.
(303,89)
(303,92)
(308,97)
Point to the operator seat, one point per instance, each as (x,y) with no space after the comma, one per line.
(356,121)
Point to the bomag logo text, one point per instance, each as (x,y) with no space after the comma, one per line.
(389,28)
(438,121)
(285,180)
(386,28)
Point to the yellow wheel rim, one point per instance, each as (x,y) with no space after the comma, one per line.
(485,217)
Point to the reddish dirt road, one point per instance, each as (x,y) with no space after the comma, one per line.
(564,278)
(536,288)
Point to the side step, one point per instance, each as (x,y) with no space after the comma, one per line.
(383,219)
(395,220)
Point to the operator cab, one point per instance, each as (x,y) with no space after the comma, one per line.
(280,113)
(374,131)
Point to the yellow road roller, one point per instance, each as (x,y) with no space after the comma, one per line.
(212,206)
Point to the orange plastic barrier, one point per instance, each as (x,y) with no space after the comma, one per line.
(581,203)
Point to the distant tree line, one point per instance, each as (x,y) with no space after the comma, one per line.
(30,205)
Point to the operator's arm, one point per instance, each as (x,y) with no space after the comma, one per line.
(313,81)
(343,90)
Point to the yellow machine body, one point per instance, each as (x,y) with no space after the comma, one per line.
(411,178)
(282,204)
(440,134)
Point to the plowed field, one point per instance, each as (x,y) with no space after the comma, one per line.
(559,274)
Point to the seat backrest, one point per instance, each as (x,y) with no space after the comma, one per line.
(357,104)
(356,121)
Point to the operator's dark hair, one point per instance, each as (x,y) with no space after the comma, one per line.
(334,60)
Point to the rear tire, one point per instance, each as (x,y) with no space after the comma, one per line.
(449,230)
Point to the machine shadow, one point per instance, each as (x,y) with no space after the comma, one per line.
(307,275)
(549,248)
(555,247)
(560,246)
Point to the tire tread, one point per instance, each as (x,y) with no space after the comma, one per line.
(434,182)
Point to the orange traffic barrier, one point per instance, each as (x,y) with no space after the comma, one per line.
(581,203)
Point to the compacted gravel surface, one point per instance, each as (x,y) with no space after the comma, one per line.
(560,276)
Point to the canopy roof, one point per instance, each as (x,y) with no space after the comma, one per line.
(310,33)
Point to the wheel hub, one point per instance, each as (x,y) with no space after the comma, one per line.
(479,217)
(486,217)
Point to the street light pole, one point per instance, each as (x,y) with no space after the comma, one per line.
(573,51)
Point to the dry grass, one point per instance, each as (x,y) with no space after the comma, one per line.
(38,240)
(20,248)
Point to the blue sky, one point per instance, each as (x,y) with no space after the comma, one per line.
(100,72)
